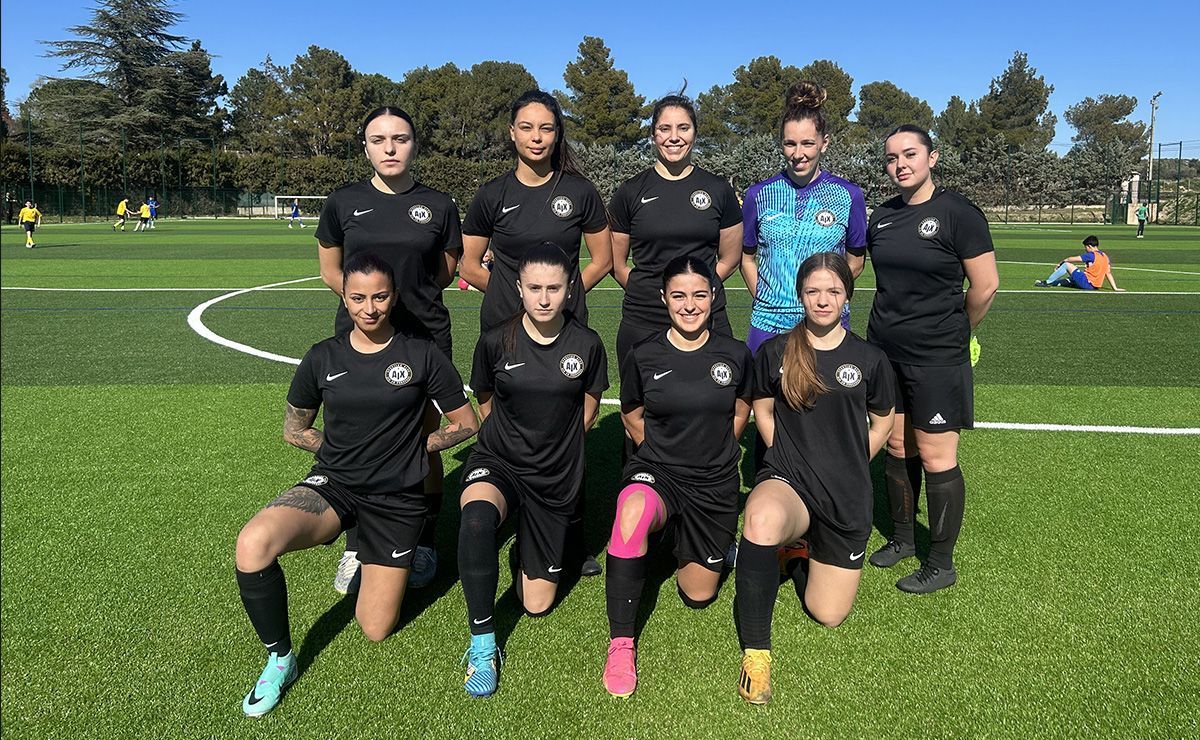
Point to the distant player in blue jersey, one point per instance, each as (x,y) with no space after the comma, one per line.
(153,203)
(795,214)
(295,219)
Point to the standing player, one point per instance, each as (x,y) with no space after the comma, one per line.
(295,217)
(416,229)
(122,213)
(923,243)
(143,217)
(685,398)
(1096,269)
(670,210)
(795,214)
(814,390)
(545,198)
(1142,213)
(153,203)
(375,386)
(538,377)
(30,218)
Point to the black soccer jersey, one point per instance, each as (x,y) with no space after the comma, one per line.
(688,400)
(825,449)
(917,253)
(516,217)
(410,230)
(536,419)
(666,219)
(374,404)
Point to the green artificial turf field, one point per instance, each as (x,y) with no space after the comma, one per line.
(134,449)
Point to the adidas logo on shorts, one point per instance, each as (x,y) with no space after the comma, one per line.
(937,419)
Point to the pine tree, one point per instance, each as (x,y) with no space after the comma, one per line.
(601,106)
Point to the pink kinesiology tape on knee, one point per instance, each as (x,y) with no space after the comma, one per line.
(652,511)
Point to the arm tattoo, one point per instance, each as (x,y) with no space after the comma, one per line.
(301,498)
(298,428)
(448,436)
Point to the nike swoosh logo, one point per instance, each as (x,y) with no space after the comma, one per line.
(772,218)
(553,569)
(335,377)
(510,208)
(657,376)
(362,213)
(647,200)
(856,557)
(254,697)
(714,561)
(401,554)
(482,621)
(880,226)
(512,367)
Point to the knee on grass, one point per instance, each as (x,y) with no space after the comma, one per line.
(696,601)
(376,628)
(826,616)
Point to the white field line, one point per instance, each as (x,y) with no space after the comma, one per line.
(197,325)
(1115,267)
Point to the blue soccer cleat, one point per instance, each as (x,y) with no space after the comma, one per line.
(483,661)
(280,672)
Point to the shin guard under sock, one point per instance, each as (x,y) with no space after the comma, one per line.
(264,594)
(947,494)
(757,584)
(477,563)
(901,495)
(624,579)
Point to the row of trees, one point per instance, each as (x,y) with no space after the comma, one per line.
(147,109)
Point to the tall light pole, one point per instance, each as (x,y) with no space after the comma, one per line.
(1150,154)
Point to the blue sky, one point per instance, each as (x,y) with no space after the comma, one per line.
(931,49)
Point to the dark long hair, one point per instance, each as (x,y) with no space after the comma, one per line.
(388,110)
(909,128)
(548,254)
(673,100)
(800,382)
(562,159)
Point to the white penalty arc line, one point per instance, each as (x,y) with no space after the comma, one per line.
(197,324)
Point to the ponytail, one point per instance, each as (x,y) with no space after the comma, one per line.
(801,384)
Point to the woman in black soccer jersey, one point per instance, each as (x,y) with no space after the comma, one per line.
(685,398)
(923,243)
(815,388)
(544,199)
(371,459)
(538,377)
(416,229)
(672,209)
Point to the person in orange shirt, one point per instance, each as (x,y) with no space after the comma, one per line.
(1096,269)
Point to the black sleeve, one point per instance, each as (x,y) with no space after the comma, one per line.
(971,235)
(592,215)
(731,212)
(881,386)
(480,215)
(305,393)
(618,210)
(482,367)
(329,227)
(451,229)
(597,368)
(766,371)
(745,387)
(444,385)
(631,381)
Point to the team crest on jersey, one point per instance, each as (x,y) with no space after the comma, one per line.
(571,365)
(398,374)
(477,473)
(642,477)
(721,373)
(848,375)
(701,200)
(928,228)
(825,218)
(421,214)
(562,206)
(316,480)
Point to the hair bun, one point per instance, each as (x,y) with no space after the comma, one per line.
(806,94)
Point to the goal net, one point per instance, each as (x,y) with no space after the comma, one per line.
(310,205)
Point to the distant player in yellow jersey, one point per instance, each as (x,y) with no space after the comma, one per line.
(1096,269)
(143,217)
(30,218)
(122,211)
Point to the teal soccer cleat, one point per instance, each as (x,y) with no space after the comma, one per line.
(276,677)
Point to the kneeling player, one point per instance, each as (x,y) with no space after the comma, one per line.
(814,389)
(370,462)
(538,378)
(685,398)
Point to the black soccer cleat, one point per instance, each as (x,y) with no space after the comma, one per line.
(891,553)
(590,567)
(927,579)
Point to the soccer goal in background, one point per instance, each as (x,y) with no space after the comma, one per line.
(310,205)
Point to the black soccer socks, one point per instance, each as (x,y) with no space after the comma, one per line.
(624,579)
(264,594)
(757,584)
(477,566)
(903,477)
(947,493)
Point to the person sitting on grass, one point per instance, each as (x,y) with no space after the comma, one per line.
(1095,271)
